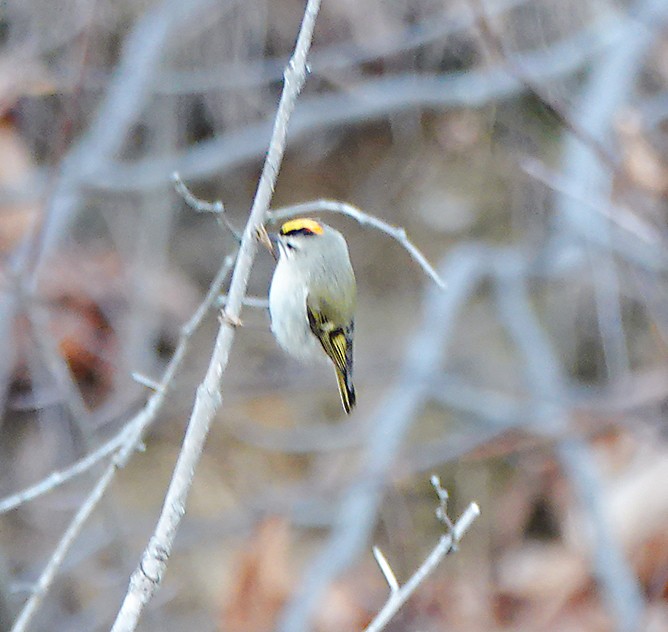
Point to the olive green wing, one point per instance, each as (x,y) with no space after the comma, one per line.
(337,343)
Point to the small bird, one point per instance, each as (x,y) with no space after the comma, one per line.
(312,298)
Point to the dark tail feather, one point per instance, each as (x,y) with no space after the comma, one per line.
(346,390)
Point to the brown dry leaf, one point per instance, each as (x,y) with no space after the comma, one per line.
(651,564)
(547,576)
(86,297)
(83,292)
(642,162)
(352,603)
(263,580)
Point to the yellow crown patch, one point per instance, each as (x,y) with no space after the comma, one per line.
(302,226)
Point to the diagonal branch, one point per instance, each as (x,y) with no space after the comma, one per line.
(133,429)
(148,575)
(122,446)
(400,594)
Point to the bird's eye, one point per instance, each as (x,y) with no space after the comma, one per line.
(290,246)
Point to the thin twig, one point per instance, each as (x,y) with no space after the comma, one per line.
(46,578)
(147,577)
(515,68)
(332,206)
(146,381)
(195,203)
(124,444)
(446,544)
(139,422)
(257,302)
(58,478)
(386,569)
(203,206)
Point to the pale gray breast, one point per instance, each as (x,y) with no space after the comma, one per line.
(289,321)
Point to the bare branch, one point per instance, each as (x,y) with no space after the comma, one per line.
(146,381)
(391,421)
(257,302)
(195,203)
(618,583)
(128,91)
(46,578)
(372,99)
(386,569)
(202,206)
(126,438)
(147,578)
(332,206)
(55,479)
(122,445)
(446,544)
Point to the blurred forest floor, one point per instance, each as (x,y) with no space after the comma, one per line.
(533,175)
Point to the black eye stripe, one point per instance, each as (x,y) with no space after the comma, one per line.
(298,231)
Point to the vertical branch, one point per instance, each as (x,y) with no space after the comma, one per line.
(619,586)
(147,578)
(5,594)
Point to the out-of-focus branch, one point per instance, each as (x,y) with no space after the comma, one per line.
(336,56)
(138,424)
(122,446)
(332,206)
(147,578)
(608,88)
(515,67)
(370,100)
(624,219)
(48,574)
(357,510)
(129,88)
(618,584)
(5,601)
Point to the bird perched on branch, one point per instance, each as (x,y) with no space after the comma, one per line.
(312,298)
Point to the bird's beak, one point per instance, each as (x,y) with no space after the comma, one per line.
(270,242)
(274,245)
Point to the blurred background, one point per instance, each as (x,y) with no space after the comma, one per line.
(523,145)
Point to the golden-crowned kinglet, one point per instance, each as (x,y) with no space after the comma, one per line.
(312,298)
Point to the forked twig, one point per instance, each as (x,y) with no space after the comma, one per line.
(122,445)
(217,208)
(446,544)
